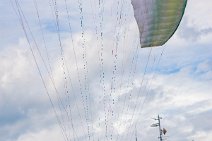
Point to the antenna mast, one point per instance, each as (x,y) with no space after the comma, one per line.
(136,139)
(158,124)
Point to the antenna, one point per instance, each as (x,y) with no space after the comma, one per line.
(158,124)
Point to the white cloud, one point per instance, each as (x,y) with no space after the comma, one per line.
(52,134)
(197,11)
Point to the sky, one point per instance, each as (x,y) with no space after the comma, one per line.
(74,71)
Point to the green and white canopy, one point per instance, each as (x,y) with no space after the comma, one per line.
(157,19)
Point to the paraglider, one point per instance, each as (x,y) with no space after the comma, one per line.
(98,103)
(157,20)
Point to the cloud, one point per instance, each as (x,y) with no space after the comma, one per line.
(52,133)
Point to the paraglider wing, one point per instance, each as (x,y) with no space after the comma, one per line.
(157,19)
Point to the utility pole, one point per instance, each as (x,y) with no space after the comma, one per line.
(158,124)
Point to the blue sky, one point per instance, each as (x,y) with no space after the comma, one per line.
(176,84)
